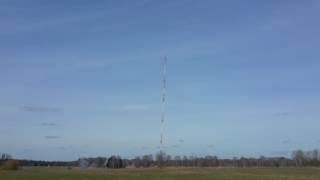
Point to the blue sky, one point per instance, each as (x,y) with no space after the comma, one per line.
(83,78)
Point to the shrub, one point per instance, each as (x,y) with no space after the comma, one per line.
(10,165)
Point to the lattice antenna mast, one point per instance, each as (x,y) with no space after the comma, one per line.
(163,99)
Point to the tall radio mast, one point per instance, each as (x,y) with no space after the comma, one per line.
(163,99)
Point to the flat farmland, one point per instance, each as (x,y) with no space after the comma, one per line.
(51,173)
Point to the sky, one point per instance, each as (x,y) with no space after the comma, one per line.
(82,78)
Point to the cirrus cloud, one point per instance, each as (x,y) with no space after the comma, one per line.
(39,109)
(52,137)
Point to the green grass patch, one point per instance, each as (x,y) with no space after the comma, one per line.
(49,173)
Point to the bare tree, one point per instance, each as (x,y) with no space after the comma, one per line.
(298,157)
(161,158)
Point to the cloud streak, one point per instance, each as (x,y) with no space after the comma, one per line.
(48,124)
(40,109)
(53,137)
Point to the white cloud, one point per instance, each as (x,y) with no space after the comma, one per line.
(40,109)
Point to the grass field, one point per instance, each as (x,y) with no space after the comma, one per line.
(166,173)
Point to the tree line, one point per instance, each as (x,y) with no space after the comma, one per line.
(298,158)
(4,157)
